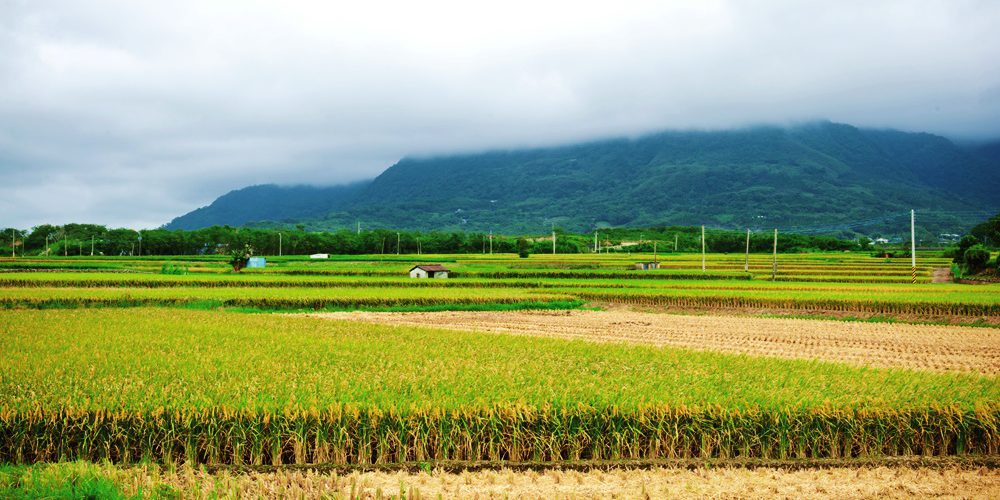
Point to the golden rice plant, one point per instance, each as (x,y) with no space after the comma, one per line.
(350,434)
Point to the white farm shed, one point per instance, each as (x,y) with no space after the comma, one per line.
(429,271)
(259,262)
(320,256)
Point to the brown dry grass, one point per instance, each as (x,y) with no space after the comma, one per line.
(924,347)
(881,482)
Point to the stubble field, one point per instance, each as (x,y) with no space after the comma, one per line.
(835,482)
(888,345)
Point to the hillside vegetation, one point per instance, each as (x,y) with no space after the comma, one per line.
(823,175)
(269,202)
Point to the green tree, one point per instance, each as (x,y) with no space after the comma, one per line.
(967,241)
(989,231)
(239,256)
(523,248)
(975,258)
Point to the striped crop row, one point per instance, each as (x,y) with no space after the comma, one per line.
(346,434)
(265,298)
(867,306)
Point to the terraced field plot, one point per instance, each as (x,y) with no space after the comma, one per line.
(926,347)
(110,359)
(830,267)
(269,298)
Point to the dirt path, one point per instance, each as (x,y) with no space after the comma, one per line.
(925,347)
(941,275)
(880,482)
(718,481)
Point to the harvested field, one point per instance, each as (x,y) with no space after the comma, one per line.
(722,482)
(945,319)
(657,483)
(889,345)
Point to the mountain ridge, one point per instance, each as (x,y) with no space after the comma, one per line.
(815,174)
(268,202)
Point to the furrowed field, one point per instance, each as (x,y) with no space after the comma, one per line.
(121,359)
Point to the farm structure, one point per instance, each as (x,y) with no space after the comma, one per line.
(256,262)
(429,271)
(645,266)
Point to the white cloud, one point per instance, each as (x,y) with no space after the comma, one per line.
(134,112)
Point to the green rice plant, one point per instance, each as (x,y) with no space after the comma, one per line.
(265,298)
(171,268)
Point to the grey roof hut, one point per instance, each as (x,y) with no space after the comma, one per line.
(429,271)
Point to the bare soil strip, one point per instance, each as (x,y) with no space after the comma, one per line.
(888,345)
(941,275)
(882,482)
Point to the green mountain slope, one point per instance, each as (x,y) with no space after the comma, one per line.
(820,176)
(269,202)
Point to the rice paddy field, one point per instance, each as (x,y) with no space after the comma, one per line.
(108,364)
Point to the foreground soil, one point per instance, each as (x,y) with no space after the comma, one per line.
(724,482)
(887,345)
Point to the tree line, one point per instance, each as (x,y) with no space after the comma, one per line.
(92,239)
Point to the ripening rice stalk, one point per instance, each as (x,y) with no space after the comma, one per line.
(213,387)
(357,435)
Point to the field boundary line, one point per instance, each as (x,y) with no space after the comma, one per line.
(991,462)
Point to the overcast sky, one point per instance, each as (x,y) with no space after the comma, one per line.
(131,113)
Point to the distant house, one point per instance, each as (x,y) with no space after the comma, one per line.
(429,271)
(320,256)
(256,262)
(645,266)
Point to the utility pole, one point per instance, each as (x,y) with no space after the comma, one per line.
(913,246)
(397,243)
(675,242)
(91,245)
(595,241)
(746,262)
(140,245)
(418,246)
(702,248)
(654,253)
(47,249)
(65,246)
(13,241)
(774,261)
(491,242)
(79,247)
(553,242)
(279,244)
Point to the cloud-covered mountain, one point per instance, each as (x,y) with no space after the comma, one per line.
(815,176)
